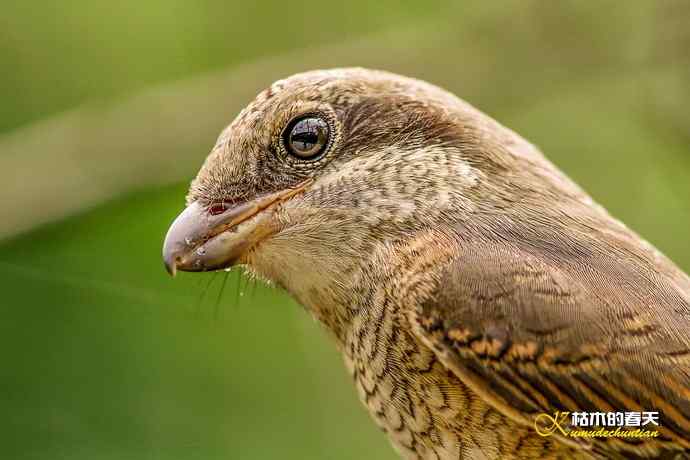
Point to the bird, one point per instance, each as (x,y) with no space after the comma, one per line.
(481,300)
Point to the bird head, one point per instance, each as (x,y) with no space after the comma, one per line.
(324,168)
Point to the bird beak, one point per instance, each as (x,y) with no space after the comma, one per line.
(202,241)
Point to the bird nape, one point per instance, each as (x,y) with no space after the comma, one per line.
(485,306)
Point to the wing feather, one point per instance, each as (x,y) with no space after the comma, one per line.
(532,332)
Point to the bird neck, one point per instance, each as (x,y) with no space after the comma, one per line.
(393,274)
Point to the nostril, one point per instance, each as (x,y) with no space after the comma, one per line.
(218,208)
(221,207)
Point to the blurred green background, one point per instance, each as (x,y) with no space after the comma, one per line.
(108,109)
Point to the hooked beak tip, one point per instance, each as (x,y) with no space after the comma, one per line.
(188,224)
(171,267)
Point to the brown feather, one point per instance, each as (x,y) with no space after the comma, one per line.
(469,283)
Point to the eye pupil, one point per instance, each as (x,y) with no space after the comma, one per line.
(307,140)
(307,137)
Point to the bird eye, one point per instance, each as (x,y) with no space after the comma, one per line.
(306,137)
